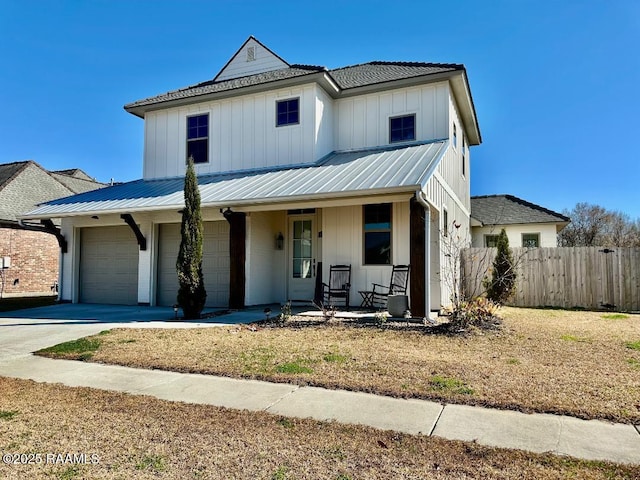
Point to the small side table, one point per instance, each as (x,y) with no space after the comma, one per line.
(367,298)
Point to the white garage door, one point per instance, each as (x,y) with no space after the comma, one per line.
(109,266)
(215,263)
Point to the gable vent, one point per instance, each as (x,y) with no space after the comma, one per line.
(251,54)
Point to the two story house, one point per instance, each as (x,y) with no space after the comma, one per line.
(299,167)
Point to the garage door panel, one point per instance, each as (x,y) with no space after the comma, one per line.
(215,263)
(109,266)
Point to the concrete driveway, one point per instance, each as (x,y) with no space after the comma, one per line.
(28,330)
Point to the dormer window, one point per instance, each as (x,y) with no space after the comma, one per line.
(198,138)
(287,112)
(402,129)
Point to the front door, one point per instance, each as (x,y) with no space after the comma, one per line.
(302,260)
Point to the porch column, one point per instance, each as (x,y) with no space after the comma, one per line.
(238,255)
(418,258)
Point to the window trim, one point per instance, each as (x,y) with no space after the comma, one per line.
(532,234)
(289,99)
(490,235)
(445,222)
(464,157)
(415,127)
(188,140)
(455,136)
(380,230)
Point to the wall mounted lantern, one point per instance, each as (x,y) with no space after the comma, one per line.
(279,241)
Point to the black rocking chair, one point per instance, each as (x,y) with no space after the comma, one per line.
(339,285)
(397,286)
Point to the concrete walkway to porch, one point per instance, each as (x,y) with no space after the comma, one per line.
(26,331)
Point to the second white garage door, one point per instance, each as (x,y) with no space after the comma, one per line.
(215,263)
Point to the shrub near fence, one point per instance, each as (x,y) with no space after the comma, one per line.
(568,277)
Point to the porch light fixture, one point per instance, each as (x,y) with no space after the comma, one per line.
(175,311)
(279,241)
(95,217)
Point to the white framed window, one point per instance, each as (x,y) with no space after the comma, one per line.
(377,234)
(445,222)
(198,138)
(287,112)
(464,156)
(530,240)
(402,129)
(455,136)
(491,241)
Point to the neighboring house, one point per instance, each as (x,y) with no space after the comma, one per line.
(299,168)
(526,224)
(29,253)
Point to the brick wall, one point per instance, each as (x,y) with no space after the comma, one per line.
(34,261)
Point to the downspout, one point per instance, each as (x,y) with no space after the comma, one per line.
(427,251)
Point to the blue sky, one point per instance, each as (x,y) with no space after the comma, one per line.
(555,83)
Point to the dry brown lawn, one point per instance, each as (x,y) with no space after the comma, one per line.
(585,364)
(141,437)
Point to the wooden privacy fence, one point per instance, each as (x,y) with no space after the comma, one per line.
(567,277)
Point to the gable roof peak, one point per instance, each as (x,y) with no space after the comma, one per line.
(251,58)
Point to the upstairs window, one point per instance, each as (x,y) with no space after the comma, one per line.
(198,138)
(530,240)
(445,221)
(402,129)
(377,234)
(464,156)
(455,136)
(287,112)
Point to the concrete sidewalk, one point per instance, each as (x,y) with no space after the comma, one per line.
(593,440)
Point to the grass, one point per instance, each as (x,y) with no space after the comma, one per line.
(19,303)
(452,385)
(633,345)
(7,414)
(615,316)
(81,349)
(571,363)
(141,437)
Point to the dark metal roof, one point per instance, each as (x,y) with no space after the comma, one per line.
(509,210)
(340,174)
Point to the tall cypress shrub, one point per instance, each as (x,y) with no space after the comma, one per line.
(503,278)
(191,293)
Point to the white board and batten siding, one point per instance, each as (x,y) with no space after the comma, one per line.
(342,243)
(265,265)
(242,133)
(363,121)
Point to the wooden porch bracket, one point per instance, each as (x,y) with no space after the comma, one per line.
(237,253)
(49,227)
(142,242)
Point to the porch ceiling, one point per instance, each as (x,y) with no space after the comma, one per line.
(340,174)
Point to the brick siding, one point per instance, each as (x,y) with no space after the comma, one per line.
(34,261)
